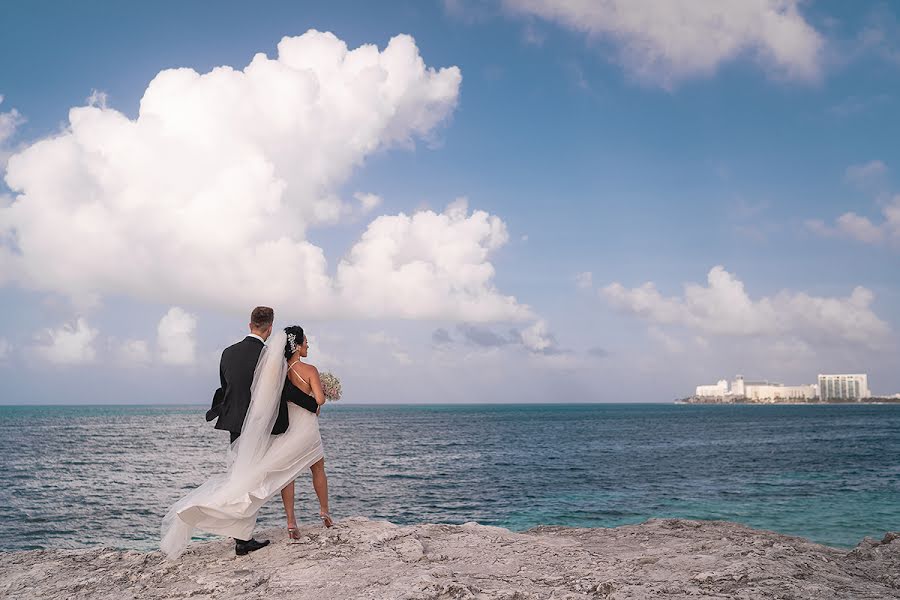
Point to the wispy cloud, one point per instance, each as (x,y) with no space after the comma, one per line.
(666,43)
(584,280)
(872,178)
(862,229)
(536,338)
(176,338)
(132,353)
(368,201)
(855,104)
(866,174)
(441,337)
(10,121)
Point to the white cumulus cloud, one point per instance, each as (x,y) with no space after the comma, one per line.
(206,197)
(175,337)
(723,307)
(428,266)
(662,43)
(70,344)
(537,337)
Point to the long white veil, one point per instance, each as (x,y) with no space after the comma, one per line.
(225,504)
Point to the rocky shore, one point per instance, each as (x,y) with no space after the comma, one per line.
(359,558)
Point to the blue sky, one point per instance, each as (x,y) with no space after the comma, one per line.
(600,142)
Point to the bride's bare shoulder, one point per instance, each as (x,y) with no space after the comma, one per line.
(307,369)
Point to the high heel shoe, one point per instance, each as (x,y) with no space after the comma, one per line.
(326,519)
(293,534)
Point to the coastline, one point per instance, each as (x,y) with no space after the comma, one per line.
(361,558)
(707,401)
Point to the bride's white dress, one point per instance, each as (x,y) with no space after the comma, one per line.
(260,464)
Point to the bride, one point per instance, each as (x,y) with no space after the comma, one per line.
(260,464)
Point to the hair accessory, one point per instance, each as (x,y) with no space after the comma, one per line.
(292,342)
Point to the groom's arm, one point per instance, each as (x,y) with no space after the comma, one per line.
(213,411)
(292,394)
(218,396)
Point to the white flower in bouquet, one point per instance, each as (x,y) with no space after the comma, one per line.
(331,386)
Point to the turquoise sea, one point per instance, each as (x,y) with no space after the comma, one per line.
(88,475)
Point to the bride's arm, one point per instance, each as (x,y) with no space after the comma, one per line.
(316,384)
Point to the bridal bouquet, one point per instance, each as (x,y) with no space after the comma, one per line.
(331,386)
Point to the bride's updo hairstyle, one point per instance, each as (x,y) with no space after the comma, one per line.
(294,340)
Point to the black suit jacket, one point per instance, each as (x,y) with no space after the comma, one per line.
(231,401)
(236,368)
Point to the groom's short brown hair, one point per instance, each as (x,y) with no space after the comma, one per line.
(262,317)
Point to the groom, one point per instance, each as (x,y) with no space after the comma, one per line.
(231,401)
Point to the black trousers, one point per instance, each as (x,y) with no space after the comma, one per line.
(235,435)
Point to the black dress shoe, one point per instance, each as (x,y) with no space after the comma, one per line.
(241,547)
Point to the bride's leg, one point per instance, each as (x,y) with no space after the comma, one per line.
(287,498)
(320,484)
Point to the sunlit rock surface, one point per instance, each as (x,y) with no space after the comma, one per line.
(359,558)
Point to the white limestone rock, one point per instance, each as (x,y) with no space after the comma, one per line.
(359,558)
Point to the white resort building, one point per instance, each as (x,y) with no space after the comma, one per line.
(844,387)
(830,387)
(720,390)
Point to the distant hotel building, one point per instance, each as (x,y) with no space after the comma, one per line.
(844,387)
(756,390)
(830,387)
(720,390)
